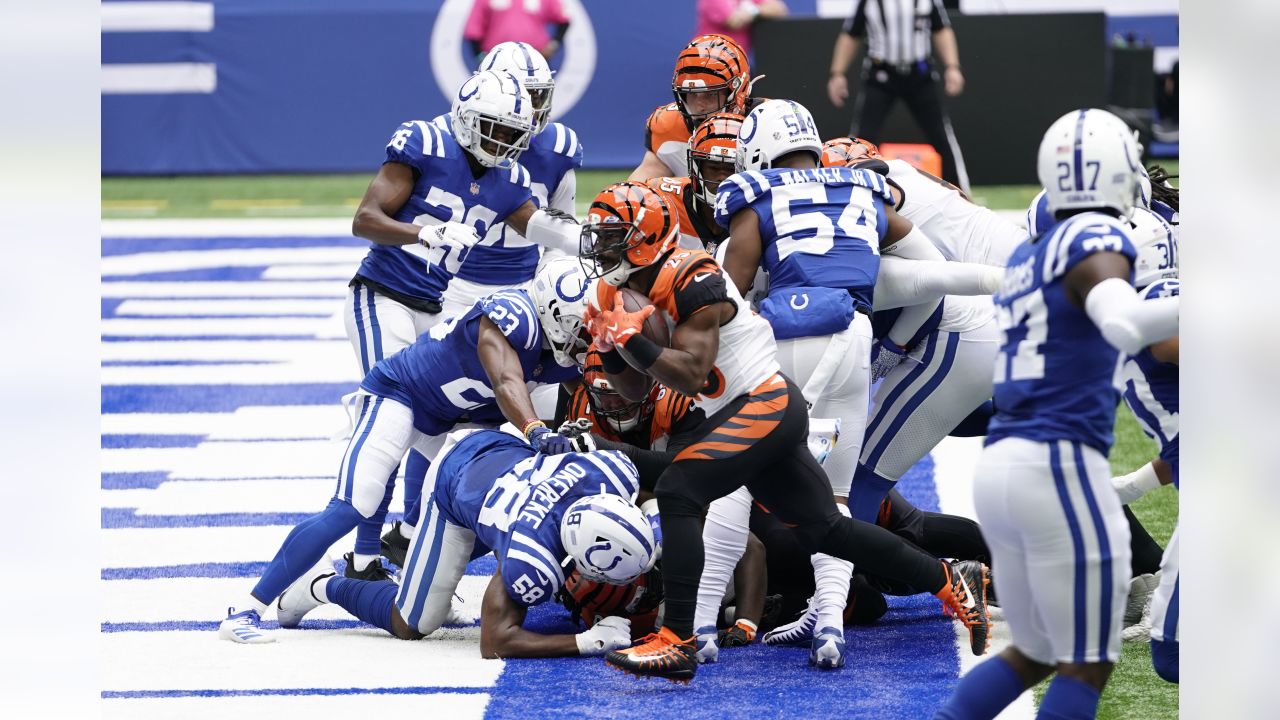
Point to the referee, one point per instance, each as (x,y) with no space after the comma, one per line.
(898,66)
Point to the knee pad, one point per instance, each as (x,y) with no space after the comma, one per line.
(1164,658)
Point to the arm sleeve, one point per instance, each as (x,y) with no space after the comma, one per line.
(902,282)
(915,245)
(856,24)
(649,463)
(553,233)
(1125,320)
(938,18)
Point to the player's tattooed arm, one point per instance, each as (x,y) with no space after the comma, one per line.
(742,256)
(502,633)
(506,376)
(386,194)
(650,167)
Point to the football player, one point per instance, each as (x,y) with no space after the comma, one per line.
(711,75)
(1042,488)
(710,159)
(440,189)
(472,368)
(819,233)
(488,491)
(724,356)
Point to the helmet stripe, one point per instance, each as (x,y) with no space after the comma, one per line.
(1078,151)
(644,542)
(528,61)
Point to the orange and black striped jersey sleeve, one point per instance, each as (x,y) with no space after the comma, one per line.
(672,412)
(688,281)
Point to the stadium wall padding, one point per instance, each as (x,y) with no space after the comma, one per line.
(308,86)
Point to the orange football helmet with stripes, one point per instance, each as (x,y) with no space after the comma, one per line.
(715,141)
(845,151)
(608,405)
(711,75)
(629,226)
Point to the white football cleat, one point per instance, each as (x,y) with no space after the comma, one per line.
(243,627)
(827,650)
(297,600)
(1137,606)
(796,632)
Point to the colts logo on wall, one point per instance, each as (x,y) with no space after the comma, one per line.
(572,77)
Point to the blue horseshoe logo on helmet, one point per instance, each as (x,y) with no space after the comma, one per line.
(560,288)
(602,547)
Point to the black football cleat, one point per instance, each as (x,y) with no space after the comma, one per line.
(395,546)
(661,654)
(373,573)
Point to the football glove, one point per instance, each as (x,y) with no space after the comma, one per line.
(615,327)
(447,244)
(549,443)
(611,633)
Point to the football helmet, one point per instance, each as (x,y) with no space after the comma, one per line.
(533,72)
(711,75)
(845,151)
(629,226)
(609,539)
(1088,160)
(608,405)
(559,294)
(1157,248)
(493,118)
(714,141)
(774,129)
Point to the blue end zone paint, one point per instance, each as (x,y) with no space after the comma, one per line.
(216,398)
(131,481)
(128,518)
(132,245)
(194,570)
(151,441)
(109,306)
(904,666)
(126,694)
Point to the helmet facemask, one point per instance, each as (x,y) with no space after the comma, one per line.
(497,142)
(623,415)
(604,246)
(541,95)
(697,102)
(719,165)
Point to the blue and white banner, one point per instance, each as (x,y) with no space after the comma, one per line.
(259,86)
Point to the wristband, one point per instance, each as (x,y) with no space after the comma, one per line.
(531,424)
(643,350)
(613,362)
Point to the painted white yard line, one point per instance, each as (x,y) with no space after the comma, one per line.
(246,423)
(223,289)
(228,307)
(231,460)
(192,227)
(179,260)
(456,706)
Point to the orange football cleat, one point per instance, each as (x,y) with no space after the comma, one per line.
(662,654)
(965,597)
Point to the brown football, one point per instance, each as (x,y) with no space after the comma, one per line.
(656,327)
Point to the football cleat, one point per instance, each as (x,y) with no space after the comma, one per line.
(395,546)
(298,599)
(662,654)
(827,650)
(707,643)
(737,636)
(1139,600)
(243,627)
(1141,630)
(374,572)
(965,597)
(796,632)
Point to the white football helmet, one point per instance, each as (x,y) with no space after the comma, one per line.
(531,69)
(774,129)
(493,118)
(1088,159)
(559,294)
(609,539)
(1157,247)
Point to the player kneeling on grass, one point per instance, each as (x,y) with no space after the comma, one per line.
(490,491)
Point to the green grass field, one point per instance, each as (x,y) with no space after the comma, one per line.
(1134,693)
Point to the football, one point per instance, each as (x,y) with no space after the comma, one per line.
(657,327)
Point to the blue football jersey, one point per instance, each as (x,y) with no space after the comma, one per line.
(504,257)
(513,499)
(444,190)
(440,376)
(1150,387)
(1054,371)
(821,227)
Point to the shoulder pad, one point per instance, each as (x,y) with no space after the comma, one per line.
(513,313)
(562,140)
(416,140)
(737,192)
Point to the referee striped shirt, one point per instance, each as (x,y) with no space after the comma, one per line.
(898,32)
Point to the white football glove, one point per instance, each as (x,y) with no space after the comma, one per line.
(447,244)
(611,633)
(579,434)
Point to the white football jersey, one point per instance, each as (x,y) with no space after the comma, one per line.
(961,229)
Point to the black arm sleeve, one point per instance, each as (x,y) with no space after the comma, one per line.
(650,463)
(856,24)
(938,18)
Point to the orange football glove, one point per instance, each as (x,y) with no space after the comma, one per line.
(615,327)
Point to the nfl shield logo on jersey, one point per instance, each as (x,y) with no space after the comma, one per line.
(475,188)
